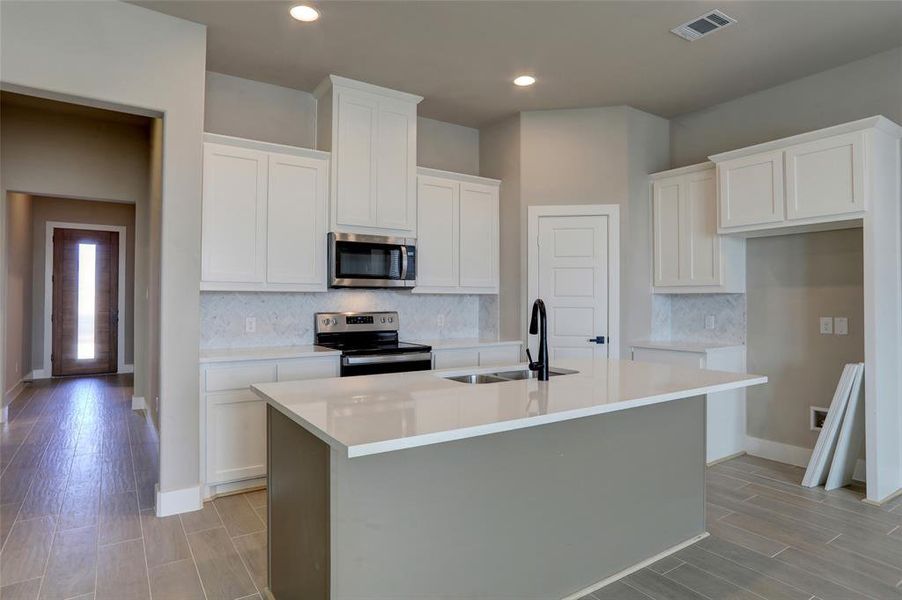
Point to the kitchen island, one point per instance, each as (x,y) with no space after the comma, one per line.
(417,485)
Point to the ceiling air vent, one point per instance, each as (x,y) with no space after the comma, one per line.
(703,25)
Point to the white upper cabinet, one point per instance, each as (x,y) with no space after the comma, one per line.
(296,221)
(689,255)
(264,216)
(751,190)
(808,182)
(458,233)
(372,134)
(479,237)
(438,228)
(234,214)
(825,177)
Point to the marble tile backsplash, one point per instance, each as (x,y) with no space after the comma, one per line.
(682,317)
(286,319)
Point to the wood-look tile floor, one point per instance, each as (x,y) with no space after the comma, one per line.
(772,539)
(76,521)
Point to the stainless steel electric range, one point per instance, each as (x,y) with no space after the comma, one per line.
(369,343)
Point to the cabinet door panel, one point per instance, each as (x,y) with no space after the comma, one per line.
(236,436)
(454,358)
(702,245)
(825,177)
(353,159)
(499,356)
(667,230)
(395,166)
(751,190)
(297,221)
(478,236)
(437,232)
(308,368)
(234,214)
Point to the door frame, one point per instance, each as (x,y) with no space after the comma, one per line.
(612,212)
(121,366)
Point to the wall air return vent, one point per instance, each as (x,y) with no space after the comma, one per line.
(703,25)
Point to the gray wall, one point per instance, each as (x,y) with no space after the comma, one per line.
(91,51)
(259,111)
(271,113)
(864,88)
(18,306)
(499,157)
(447,146)
(579,156)
(792,281)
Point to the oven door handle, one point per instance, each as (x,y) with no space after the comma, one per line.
(377,359)
(403,263)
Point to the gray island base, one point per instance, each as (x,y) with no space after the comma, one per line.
(546,512)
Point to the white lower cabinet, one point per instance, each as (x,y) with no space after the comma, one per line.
(480,355)
(458,241)
(233,427)
(725,420)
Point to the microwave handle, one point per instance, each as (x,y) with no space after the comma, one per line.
(403,263)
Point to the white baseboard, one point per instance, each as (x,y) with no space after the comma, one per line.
(13,392)
(39,374)
(227,489)
(635,567)
(138,403)
(790,455)
(4,414)
(174,502)
(127,369)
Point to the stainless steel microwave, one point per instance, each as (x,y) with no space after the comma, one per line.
(371,261)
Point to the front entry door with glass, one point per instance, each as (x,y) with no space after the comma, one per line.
(85,301)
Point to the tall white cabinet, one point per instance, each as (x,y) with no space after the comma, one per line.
(689,256)
(458,233)
(264,220)
(371,133)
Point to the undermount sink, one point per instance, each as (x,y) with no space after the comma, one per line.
(502,376)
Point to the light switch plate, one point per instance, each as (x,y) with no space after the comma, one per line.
(826,325)
(250,325)
(841,325)
(709,322)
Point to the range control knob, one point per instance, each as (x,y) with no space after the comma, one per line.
(332,321)
(391,319)
(325,321)
(383,319)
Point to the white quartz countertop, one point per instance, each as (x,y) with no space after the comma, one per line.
(375,414)
(448,344)
(271,353)
(682,345)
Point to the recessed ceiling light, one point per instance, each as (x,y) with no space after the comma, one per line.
(524,80)
(304,13)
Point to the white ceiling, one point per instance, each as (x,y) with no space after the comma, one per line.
(462,55)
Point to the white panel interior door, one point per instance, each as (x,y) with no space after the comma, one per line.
(353,159)
(296,220)
(478,236)
(234,214)
(437,231)
(573,281)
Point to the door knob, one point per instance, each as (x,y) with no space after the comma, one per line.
(597,339)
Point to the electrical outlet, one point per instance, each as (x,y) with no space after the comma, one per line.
(841,325)
(826,325)
(710,322)
(250,324)
(440,320)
